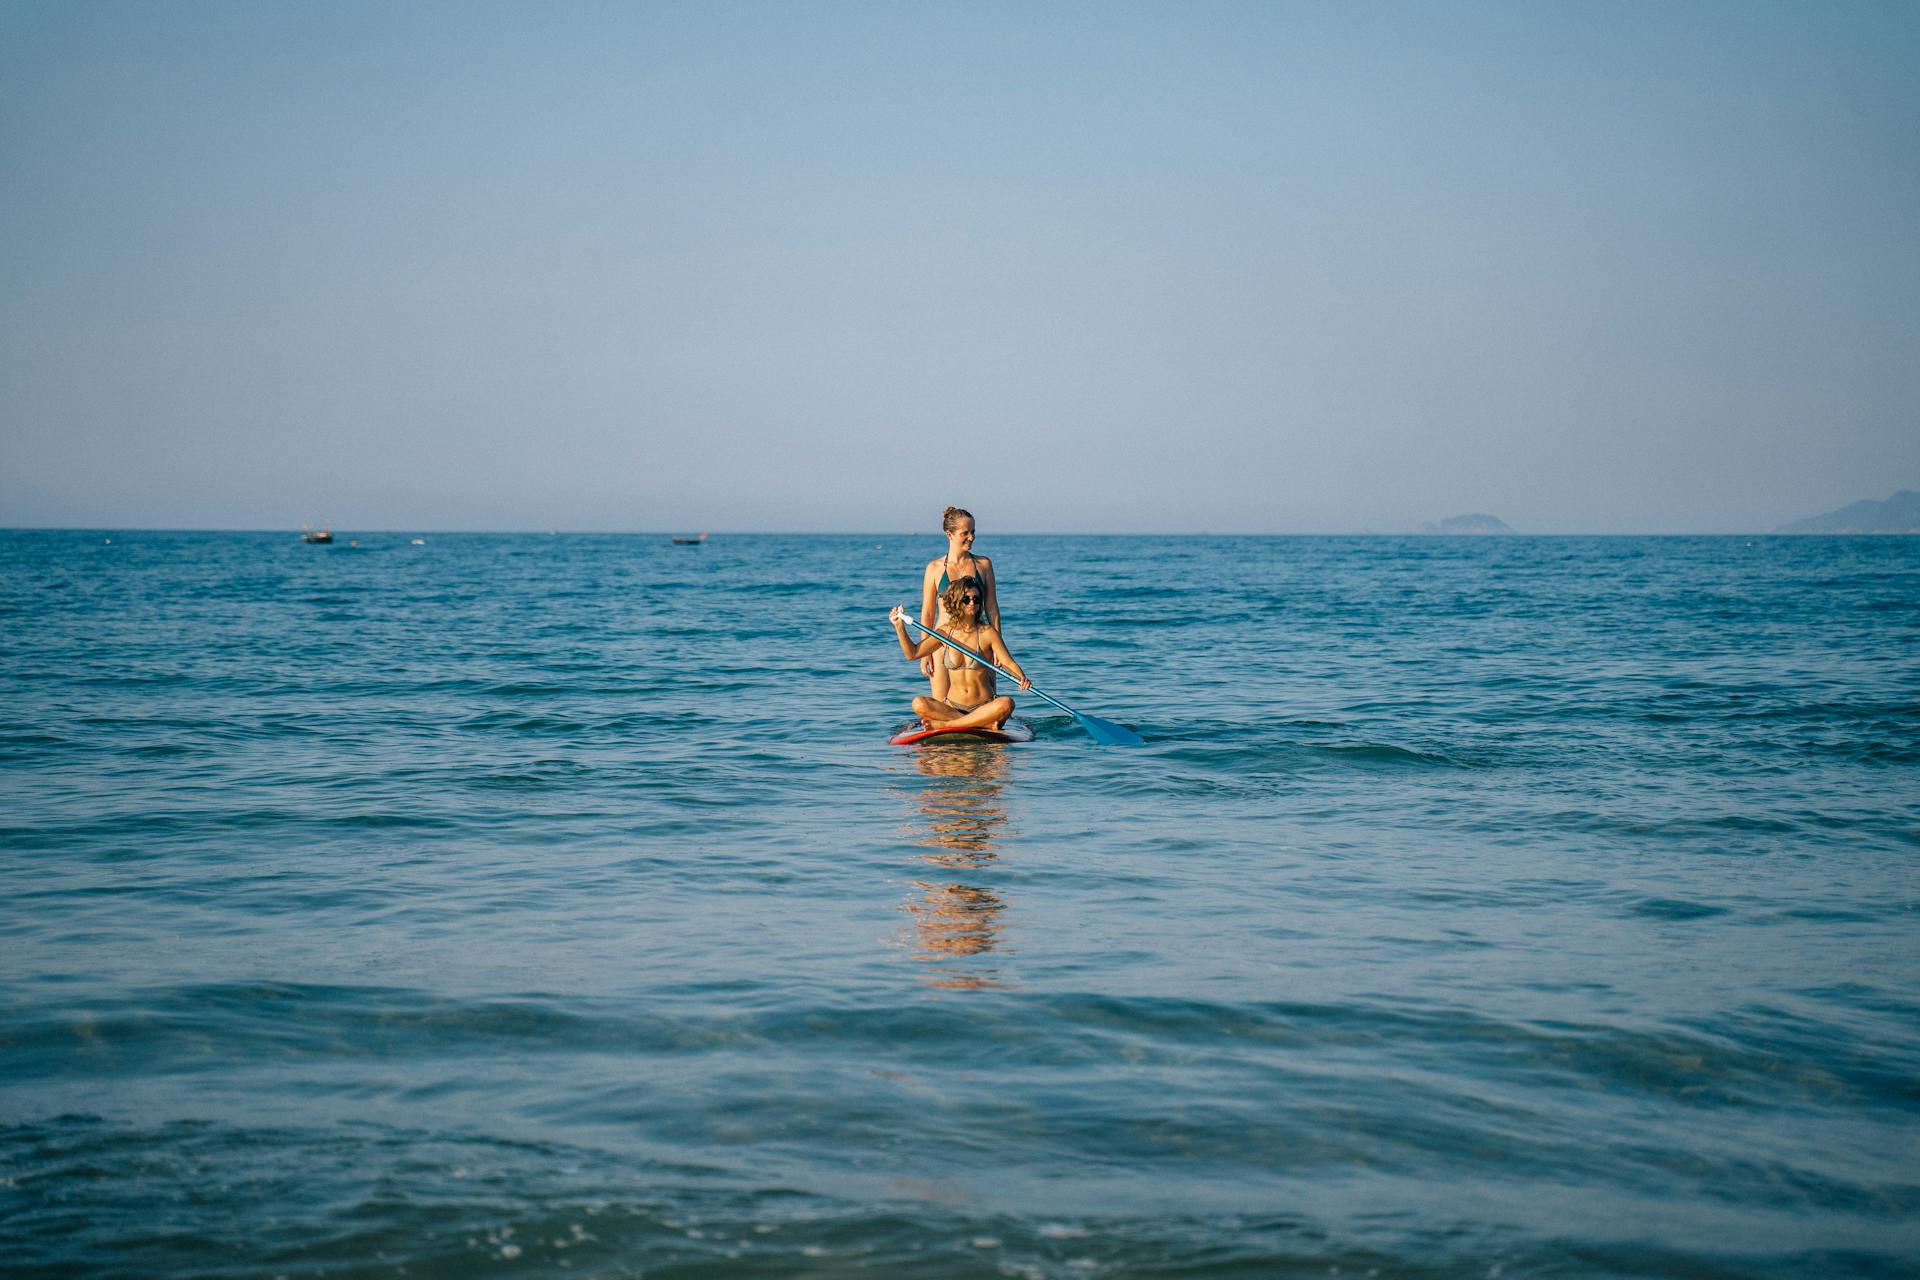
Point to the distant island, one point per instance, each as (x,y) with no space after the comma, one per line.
(1479,522)
(1898,514)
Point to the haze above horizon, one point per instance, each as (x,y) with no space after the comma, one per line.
(1242,268)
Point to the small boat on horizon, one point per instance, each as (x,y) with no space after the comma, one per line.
(315,535)
(689,542)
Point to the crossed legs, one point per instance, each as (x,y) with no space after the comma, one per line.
(990,714)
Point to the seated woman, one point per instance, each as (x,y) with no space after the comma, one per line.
(970,702)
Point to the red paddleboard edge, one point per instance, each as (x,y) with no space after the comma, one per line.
(1014,730)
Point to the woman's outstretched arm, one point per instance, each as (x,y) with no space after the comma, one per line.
(898,617)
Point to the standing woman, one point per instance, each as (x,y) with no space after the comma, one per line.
(959,562)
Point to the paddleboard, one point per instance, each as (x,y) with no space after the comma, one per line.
(1014,730)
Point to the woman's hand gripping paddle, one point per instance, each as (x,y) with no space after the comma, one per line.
(1104,732)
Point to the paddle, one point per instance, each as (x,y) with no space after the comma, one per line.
(1104,732)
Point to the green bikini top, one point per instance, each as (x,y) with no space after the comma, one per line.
(944,584)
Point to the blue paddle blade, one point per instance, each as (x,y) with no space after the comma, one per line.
(1107,733)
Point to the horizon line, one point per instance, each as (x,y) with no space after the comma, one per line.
(710,535)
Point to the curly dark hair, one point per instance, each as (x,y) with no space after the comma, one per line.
(950,598)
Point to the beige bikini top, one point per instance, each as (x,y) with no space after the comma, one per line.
(958,661)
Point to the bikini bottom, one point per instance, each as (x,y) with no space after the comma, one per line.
(973,706)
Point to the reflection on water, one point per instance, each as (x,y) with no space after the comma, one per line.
(956,924)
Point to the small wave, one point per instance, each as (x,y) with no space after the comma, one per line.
(784,589)
(1057,1031)
(92,1190)
(537,775)
(31,740)
(520,722)
(1383,753)
(1674,909)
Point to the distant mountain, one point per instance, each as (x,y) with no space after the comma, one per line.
(1898,514)
(1476,523)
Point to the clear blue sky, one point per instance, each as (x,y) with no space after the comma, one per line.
(1106,267)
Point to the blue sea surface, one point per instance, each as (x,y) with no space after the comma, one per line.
(554,905)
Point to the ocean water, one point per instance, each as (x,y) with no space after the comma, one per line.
(541,906)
